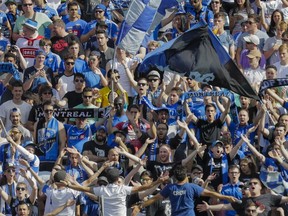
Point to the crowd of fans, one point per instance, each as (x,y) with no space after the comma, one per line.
(140,155)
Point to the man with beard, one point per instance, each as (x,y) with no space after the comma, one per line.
(97,150)
(162,138)
(79,133)
(117,114)
(15,118)
(17,102)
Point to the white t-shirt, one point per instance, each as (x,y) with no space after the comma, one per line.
(66,85)
(282,70)
(8,105)
(56,198)
(124,80)
(114,198)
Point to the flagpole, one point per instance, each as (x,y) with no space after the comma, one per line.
(112,72)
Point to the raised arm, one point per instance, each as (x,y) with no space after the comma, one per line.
(205,207)
(33,194)
(275,96)
(226,111)
(40,181)
(253,149)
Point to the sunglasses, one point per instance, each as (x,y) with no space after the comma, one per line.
(48,111)
(25,5)
(87,96)
(70,63)
(142,84)
(47,93)
(20,188)
(79,80)
(10,170)
(98,11)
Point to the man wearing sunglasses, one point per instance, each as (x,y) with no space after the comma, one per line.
(50,137)
(87,96)
(74,98)
(41,18)
(65,82)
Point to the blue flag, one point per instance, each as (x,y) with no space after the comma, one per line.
(199,55)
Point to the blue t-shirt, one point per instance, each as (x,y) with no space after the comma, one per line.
(182,198)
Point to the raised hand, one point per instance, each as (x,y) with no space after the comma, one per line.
(182,125)
(24,162)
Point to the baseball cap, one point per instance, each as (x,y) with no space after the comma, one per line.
(102,180)
(32,24)
(40,52)
(29,143)
(217,142)
(252,39)
(10,2)
(197,167)
(9,165)
(100,7)
(102,127)
(15,110)
(254,53)
(154,73)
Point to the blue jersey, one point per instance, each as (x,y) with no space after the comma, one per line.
(93,80)
(77,137)
(112,30)
(204,14)
(12,18)
(50,12)
(79,67)
(78,173)
(77,27)
(231,190)
(47,139)
(52,61)
(182,198)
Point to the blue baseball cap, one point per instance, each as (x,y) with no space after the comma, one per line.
(100,7)
(32,24)
(102,127)
(40,52)
(217,142)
